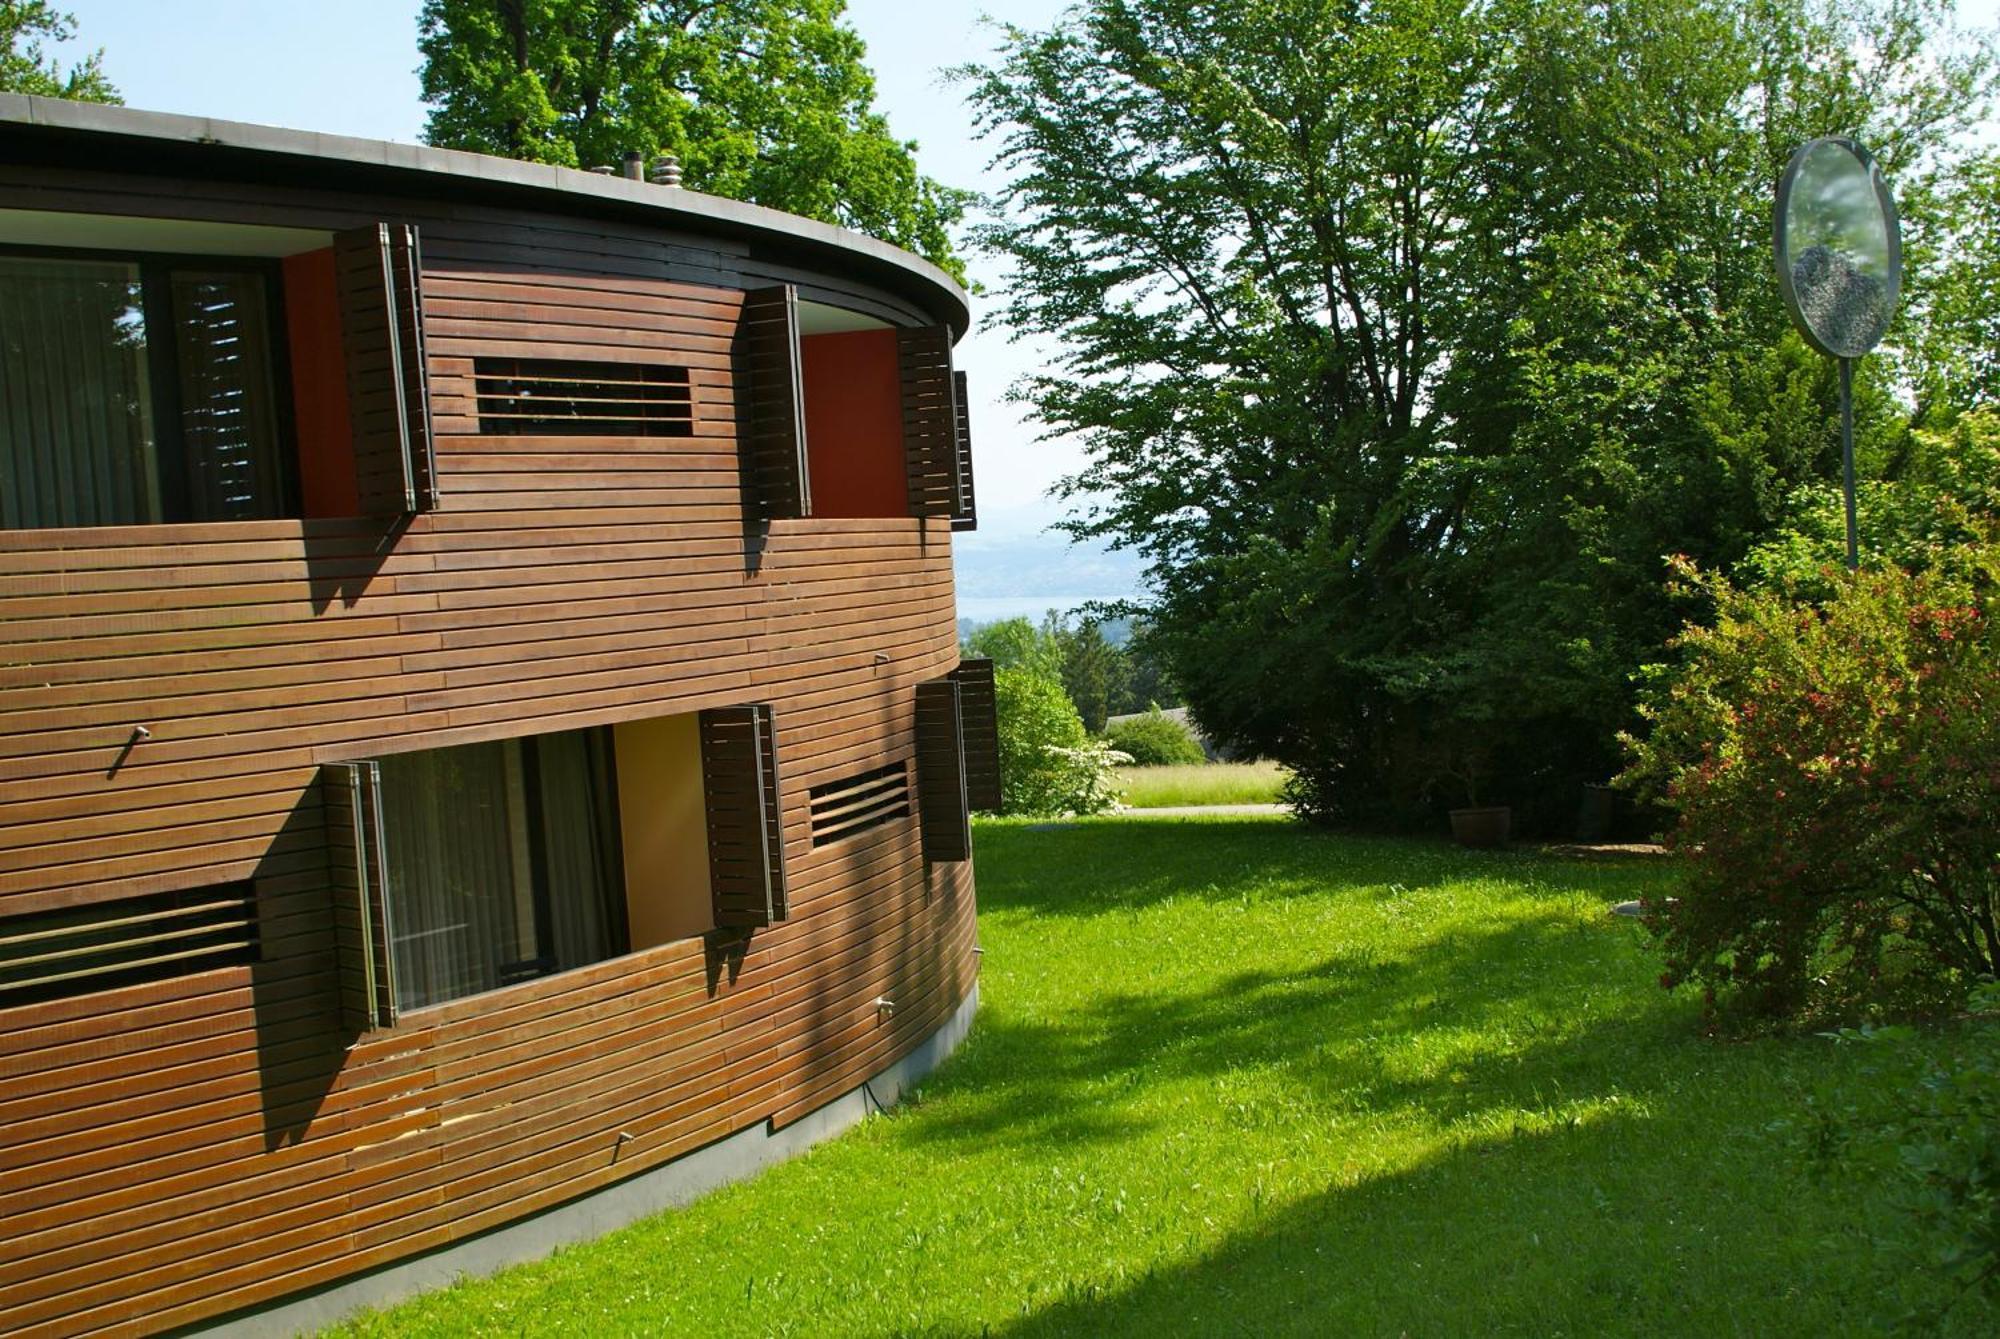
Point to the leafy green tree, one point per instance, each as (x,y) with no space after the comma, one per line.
(1094,672)
(1959,355)
(762,100)
(26,68)
(1016,643)
(1932,516)
(1406,339)
(1048,764)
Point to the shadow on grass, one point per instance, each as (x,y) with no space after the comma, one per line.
(1338,1033)
(1481,1014)
(1088,868)
(1529,1234)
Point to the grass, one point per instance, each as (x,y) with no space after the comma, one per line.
(1235,1077)
(1201,783)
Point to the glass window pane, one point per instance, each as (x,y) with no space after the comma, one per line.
(76,417)
(503,863)
(229,421)
(580,847)
(451,823)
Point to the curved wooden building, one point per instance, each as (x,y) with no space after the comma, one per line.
(481,720)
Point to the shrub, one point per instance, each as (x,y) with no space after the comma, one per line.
(1156,740)
(1048,764)
(1835,772)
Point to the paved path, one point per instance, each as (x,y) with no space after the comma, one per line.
(1203,811)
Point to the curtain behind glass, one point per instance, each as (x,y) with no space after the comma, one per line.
(585,892)
(222,340)
(76,418)
(503,863)
(455,885)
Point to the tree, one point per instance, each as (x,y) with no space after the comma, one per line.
(762,100)
(26,68)
(1405,340)
(1016,643)
(1048,764)
(1095,673)
(1959,356)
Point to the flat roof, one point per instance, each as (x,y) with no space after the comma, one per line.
(166,143)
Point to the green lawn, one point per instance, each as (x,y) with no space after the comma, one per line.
(1202,783)
(1236,1077)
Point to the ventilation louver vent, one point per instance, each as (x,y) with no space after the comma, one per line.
(546,395)
(49,955)
(854,804)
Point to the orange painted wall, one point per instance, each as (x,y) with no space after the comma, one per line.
(327,484)
(854,424)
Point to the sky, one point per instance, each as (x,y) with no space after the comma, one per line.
(350,68)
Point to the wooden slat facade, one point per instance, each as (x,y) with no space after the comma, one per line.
(175,1151)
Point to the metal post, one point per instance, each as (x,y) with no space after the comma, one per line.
(1847,455)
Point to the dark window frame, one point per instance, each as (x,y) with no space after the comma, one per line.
(163,379)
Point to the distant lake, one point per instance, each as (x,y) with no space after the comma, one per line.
(990,609)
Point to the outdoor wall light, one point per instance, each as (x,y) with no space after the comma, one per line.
(1839,249)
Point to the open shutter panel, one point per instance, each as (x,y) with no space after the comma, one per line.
(979,724)
(406,268)
(367,976)
(746,857)
(941,804)
(967,515)
(773,421)
(381,335)
(930,420)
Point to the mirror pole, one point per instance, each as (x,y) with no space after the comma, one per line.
(1847,455)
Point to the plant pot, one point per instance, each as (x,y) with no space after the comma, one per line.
(1485,827)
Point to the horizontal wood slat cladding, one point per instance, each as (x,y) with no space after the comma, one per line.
(176,1149)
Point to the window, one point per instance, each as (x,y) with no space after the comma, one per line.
(854,804)
(550,395)
(843,415)
(140,390)
(461,870)
(47,955)
(488,864)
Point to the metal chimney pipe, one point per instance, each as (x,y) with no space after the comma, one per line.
(635,165)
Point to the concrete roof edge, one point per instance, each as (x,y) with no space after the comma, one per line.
(677,207)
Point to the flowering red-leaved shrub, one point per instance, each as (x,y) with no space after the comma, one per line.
(1835,770)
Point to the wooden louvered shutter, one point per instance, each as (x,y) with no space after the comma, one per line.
(746,852)
(378,272)
(979,727)
(967,515)
(772,423)
(352,792)
(941,803)
(930,420)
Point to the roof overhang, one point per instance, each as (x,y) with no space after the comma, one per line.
(105,138)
